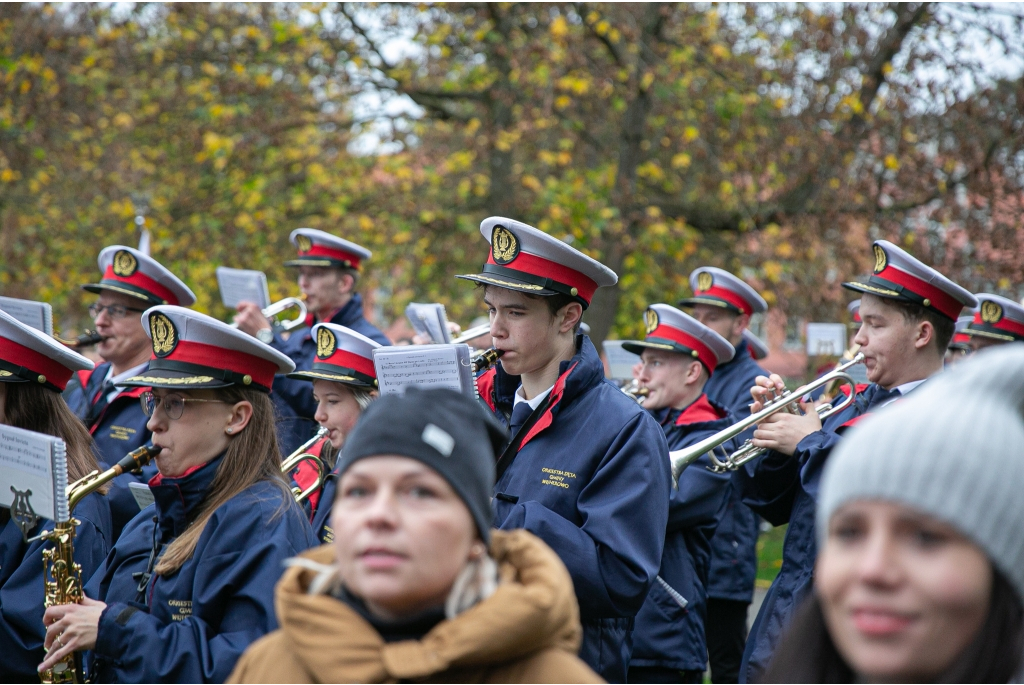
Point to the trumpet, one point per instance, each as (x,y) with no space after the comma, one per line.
(62,576)
(300,455)
(282,306)
(787,401)
(474,332)
(84,340)
(634,390)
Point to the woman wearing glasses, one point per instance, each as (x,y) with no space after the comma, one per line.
(344,384)
(131,283)
(34,369)
(190,582)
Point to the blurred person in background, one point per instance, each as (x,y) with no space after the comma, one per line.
(920,577)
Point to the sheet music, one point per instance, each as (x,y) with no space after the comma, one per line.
(142,494)
(428,366)
(28,462)
(38,315)
(429,320)
(620,362)
(242,285)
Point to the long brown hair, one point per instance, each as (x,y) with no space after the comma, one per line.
(37,408)
(807,653)
(252,456)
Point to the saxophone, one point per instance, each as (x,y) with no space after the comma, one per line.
(61,575)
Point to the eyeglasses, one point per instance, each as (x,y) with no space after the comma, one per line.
(173,404)
(116,311)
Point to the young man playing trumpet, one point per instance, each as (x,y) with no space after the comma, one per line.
(328,274)
(908,311)
(678,356)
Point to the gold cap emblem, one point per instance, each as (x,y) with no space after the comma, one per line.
(650,320)
(504,245)
(163,333)
(704,281)
(325,343)
(125,264)
(881,261)
(991,312)
(304,243)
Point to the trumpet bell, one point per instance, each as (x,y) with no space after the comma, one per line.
(281,306)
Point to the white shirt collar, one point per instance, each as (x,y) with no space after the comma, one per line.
(535,402)
(121,378)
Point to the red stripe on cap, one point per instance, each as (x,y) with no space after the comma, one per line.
(350,360)
(141,280)
(729,296)
(941,300)
(261,370)
(320,250)
(15,353)
(960,338)
(545,268)
(704,352)
(1004,324)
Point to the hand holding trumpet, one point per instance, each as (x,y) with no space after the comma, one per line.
(781,431)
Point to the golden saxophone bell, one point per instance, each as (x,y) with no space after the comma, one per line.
(787,401)
(300,455)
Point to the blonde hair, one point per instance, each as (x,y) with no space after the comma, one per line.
(252,456)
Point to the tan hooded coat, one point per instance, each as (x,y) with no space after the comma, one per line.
(528,631)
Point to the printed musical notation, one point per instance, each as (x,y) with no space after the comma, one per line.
(27,463)
(242,285)
(432,366)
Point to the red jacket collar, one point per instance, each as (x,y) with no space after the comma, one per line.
(700,411)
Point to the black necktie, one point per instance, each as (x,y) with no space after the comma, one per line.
(100,404)
(881,396)
(520,414)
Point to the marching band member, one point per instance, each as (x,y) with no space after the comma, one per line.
(416,586)
(678,356)
(344,383)
(34,369)
(132,282)
(725,303)
(328,275)
(920,575)
(997,321)
(190,582)
(908,311)
(960,344)
(587,469)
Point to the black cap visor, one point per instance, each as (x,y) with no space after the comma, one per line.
(709,300)
(165,373)
(319,261)
(336,375)
(124,289)
(983,331)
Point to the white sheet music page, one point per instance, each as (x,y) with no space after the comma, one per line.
(428,366)
(26,464)
(38,315)
(242,285)
(620,362)
(429,320)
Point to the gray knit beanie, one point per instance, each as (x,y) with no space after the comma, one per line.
(953,449)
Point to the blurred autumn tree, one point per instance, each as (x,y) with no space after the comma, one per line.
(775,141)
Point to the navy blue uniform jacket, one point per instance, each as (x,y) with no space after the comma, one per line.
(734,546)
(191,626)
(668,635)
(784,489)
(592,480)
(293,398)
(21,584)
(119,429)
